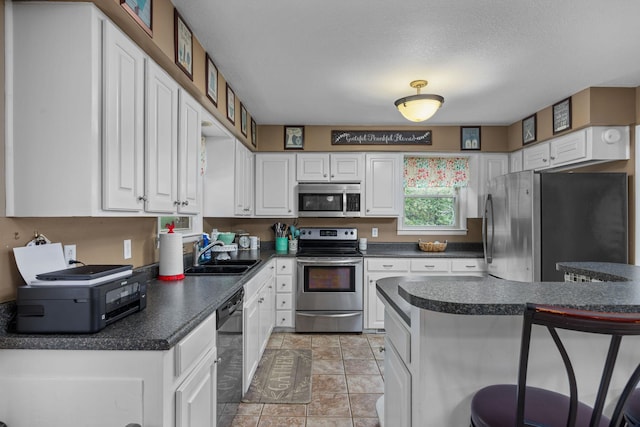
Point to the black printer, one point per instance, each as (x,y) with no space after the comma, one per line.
(70,308)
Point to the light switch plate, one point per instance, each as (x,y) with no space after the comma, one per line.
(374,232)
(127,249)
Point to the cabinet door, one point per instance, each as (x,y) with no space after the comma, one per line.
(123,143)
(348,167)
(196,396)
(374,307)
(515,161)
(189,141)
(244,173)
(383,184)
(312,167)
(161,141)
(536,157)
(397,389)
(568,148)
(275,182)
(251,340)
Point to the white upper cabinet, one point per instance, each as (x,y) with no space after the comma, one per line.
(244,180)
(383,185)
(515,161)
(325,167)
(275,184)
(189,199)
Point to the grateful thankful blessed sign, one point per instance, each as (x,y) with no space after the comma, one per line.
(385,137)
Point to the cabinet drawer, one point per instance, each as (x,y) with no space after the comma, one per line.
(194,345)
(467,264)
(285,265)
(284,284)
(398,334)
(387,264)
(284,318)
(430,264)
(284,301)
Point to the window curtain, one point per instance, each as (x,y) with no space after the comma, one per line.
(429,172)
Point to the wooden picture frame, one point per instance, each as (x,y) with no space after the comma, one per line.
(470,138)
(243,119)
(529,129)
(183,42)
(142,12)
(562,116)
(294,137)
(254,133)
(231,105)
(212,80)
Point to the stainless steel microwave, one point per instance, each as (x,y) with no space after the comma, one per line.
(330,200)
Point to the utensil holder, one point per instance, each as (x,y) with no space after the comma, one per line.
(281,244)
(293,246)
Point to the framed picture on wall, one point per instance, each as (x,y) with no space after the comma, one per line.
(254,133)
(243,119)
(294,137)
(141,11)
(231,105)
(562,116)
(212,81)
(470,137)
(529,129)
(183,42)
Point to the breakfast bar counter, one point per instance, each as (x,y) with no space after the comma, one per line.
(447,337)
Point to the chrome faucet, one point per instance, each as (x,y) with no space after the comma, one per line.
(197,252)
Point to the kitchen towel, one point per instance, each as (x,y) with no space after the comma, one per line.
(171,265)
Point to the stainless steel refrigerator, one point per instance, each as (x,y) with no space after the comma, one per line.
(534,220)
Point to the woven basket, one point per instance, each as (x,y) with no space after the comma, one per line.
(432,246)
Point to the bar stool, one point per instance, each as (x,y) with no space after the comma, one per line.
(509,405)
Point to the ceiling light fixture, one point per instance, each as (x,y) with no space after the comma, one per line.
(419,108)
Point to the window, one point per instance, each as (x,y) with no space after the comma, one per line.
(434,195)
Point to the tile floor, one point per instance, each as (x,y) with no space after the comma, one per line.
(347,380)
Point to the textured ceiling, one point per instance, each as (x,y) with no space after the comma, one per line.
(328,62)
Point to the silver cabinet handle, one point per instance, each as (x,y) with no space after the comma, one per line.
(429,266)
(324,176)
(544,160)
(133,425)
(261,300)
(142,198)
(185,203)
(387,265)
(176,202)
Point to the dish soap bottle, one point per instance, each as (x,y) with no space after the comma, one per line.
(205,242)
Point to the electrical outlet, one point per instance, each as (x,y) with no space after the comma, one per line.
(127,249)
(374,232)
(69,254)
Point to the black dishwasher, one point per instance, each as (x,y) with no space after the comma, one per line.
(229,346)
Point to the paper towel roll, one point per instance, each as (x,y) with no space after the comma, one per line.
(171,266)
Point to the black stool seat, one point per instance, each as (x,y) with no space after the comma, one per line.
(632,410)
(495,406)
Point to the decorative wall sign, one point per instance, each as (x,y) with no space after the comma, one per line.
(231,105)
(562,115)
(243,119)
(183,40)
(529,130)
(141,11)
(254,133)
(470,137)
(293,137)
(377,137)
(212,81)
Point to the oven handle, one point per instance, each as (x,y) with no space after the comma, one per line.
(300,313)
(331,261)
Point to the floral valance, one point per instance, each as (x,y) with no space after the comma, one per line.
(425,172)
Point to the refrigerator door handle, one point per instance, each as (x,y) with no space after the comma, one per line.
(487,244)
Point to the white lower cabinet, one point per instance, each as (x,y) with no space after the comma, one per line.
(102,388)
(285,292)
(397,375)
(380,268)
(258,317)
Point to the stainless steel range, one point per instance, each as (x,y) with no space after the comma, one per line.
(329,296)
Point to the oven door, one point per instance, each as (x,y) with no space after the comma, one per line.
(329,283)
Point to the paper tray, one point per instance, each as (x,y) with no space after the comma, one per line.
(86,272)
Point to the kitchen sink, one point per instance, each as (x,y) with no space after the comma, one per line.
(230,267)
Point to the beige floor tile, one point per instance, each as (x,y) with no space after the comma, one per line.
(353,341)
(357,353)
(329,422)
(364,405)
(225,420)
(333,353)
(330,404)
(375,340)
(243,408)
(275,341)
(328,384)
(269,421)
(325,341)
(381,366)
(365,384)
(366,422)
(361,366)
(327,366)
(245,421)
(296,341)
(284,410)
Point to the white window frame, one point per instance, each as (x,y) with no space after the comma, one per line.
(460,228)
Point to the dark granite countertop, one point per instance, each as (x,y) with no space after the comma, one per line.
(604,271)
(492,296)
(412,250)
(173,310)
